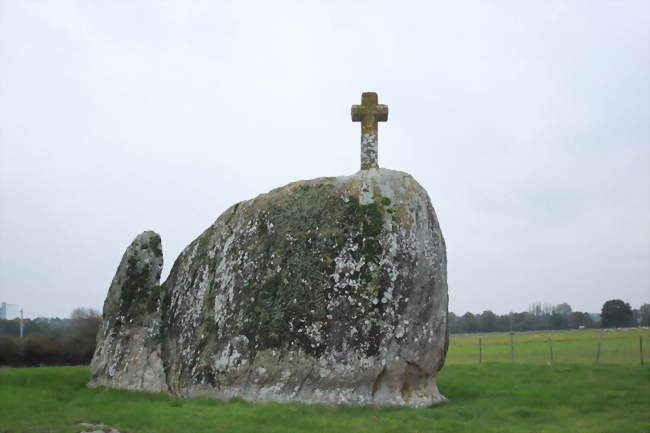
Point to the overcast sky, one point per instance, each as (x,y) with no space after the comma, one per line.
(526,121)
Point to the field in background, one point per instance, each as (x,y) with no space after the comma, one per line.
(618,346)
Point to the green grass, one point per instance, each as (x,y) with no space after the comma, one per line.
(572,395)
(620,346)
(484,398)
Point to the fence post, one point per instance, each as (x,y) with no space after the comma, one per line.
(550,348)
(512,347)
(600,340)
(480,351)
(641,348)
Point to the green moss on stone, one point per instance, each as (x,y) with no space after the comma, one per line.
(156,246)
(262,227)
(311,225)
(369,218)
(134,294)
(284,268)
(153,299)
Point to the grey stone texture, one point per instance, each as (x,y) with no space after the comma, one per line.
(97,428)
(128,341)
(332,290)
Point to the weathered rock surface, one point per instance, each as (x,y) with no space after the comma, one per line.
(330,290)
(128,341)
(97,428)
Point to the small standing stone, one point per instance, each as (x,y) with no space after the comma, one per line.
(369,113)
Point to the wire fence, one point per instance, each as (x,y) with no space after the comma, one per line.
(617,346)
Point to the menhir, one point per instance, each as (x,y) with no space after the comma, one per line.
(331,290)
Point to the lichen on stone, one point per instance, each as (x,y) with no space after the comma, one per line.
(329,290)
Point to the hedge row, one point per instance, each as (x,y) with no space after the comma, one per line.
(74,346)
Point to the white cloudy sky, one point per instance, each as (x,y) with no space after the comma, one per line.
(526,121)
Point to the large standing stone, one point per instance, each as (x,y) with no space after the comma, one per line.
(330,290)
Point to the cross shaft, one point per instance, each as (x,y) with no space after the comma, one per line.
(369,113)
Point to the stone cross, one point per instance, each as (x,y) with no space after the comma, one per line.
(369,113)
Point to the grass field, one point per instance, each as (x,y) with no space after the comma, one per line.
(619,346)
(490,397)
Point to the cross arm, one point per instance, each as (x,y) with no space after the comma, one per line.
(357,113)
(381,113)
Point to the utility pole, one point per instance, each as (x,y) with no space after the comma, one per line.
(21,323)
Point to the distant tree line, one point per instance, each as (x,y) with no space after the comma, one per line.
(614,314)
(72,341)
(49,341)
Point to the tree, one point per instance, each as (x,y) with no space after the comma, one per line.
(503,323)
(644,315)
(84,313)
(558,321)
(469,323)
(563,308)
(82,334)
(578,319)
(616,314)
(540,309)
(525,322)
(488,321)
(453,323)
